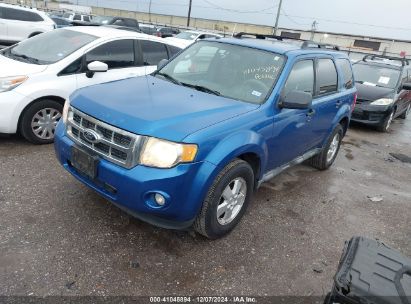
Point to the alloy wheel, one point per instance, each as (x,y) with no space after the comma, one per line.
(231,201)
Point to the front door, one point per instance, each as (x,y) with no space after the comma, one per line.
(292,126)
(120,57)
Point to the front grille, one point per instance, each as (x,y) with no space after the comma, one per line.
(113,144)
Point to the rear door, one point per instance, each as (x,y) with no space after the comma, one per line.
(119,55)
(3,26)
(327,100)
(20,23)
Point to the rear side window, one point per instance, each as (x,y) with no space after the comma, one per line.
(301,78)
(347,75)
(326,77)
(77,18)
(20,15)
(116,54)
(153,52)
(86,18)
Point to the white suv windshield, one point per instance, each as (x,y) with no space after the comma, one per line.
(49,47)
(187,35)
(227,70)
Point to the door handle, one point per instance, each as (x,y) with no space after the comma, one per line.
(310,112)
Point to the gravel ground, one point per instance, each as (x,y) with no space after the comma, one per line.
(60,238)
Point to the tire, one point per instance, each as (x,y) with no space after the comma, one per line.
(386,124)
(406,112)
(41,116)
(324,160)
(211,225)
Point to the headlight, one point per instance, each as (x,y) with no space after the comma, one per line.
(9,83)
(166,154)
(382,102)
(66,110)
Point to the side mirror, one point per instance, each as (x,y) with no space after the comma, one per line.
(407,86)
(296,100)
(96,67)
(162,64)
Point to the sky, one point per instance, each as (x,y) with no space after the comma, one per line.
(377,18)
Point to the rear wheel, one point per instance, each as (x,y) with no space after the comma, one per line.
(386,124)
(406,112)
(226,200)
(39,121)
(329,153)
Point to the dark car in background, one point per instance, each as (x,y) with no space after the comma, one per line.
(148,29)
(384,90)
(119,21)
(165,32)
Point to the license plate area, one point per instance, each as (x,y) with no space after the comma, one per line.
(84,162)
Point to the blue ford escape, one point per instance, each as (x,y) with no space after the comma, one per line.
(188,145)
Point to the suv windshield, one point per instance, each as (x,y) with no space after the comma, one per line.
(232,71)
(375,75)
(49,47)
(187,35)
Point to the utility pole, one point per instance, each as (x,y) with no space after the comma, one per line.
(313,29)
(189,13)
(149,12)
(278,17)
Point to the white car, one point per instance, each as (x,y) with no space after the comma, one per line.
(77,17)
(38,74)
(189,37)
(18,23)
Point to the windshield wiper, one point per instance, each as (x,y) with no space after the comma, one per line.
(25,57)
(171,78)
(201,88)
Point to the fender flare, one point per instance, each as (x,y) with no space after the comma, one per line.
(237,144)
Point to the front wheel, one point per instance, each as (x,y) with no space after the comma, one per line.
(386,124)
(226,200)
(329,153)
(39,121)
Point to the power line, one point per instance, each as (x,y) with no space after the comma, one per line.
(239,11)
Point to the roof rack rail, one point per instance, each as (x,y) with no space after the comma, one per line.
(306,43)
(404,61)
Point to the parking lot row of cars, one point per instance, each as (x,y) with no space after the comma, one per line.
(216,118)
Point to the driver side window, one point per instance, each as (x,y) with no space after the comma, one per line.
(301,78)
(116,54)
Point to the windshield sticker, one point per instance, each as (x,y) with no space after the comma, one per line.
(276,58)
(256,93)
(369,84)
(384,80)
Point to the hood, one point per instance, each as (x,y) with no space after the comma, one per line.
(11,67)
(155,107)
(371,93)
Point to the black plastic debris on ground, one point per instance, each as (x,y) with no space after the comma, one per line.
(402,157)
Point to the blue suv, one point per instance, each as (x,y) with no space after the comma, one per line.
(188,145)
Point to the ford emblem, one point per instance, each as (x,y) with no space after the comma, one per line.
(91,135)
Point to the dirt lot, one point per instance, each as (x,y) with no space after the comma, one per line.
(60,238)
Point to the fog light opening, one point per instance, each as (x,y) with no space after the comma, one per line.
(159,199)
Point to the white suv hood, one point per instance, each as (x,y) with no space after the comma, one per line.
(11,67)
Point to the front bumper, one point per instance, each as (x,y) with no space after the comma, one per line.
(11,106)
(370,114)
(132,190)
